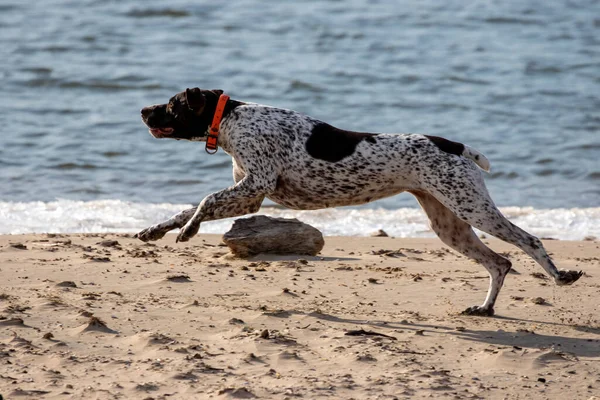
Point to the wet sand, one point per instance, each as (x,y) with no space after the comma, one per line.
(106,316)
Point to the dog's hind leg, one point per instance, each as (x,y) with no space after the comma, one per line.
(471,203)
(460,236)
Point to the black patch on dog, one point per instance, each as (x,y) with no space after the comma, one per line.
(332,144)
(446,145)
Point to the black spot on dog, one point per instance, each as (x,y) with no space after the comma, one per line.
(332,144)
(446,145)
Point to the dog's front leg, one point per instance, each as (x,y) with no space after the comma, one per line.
(157,231)
(243,198)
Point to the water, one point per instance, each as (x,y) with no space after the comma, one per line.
(518,80)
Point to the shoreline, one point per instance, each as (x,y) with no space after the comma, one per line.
(106,315)
(116,216)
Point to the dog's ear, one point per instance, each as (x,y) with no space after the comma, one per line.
(218,92)
(195,99)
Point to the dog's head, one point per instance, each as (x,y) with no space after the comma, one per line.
(187,115)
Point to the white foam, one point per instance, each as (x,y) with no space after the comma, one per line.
(68,216)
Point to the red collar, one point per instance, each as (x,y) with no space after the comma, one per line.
(213,136)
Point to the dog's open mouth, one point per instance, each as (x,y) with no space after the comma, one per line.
(160,132)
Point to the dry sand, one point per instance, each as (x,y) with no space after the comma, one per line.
(106,316)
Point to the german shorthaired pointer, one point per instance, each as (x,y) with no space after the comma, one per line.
(306,164)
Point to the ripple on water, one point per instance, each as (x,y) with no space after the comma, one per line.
(184,182)
(73,166)
(514,21)
(535,67)
(110,86)
(595,176)
(546,172)
(113,154)
(501,175)
(543,161)
(153,13)
(92,84)
(557,93)
(462,79)
(37,70)
(584,146)
(304,86)
(87,191)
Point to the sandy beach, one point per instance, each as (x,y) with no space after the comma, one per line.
(105,316)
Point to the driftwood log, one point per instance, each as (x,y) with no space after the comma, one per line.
(262,234)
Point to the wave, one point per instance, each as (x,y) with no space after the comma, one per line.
(69,216)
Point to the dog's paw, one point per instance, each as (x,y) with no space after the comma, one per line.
(567,277)
(150,234)
(187,232)
(479,311)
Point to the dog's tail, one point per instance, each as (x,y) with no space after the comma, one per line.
(477,157)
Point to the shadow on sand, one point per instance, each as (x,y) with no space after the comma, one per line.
(580,347)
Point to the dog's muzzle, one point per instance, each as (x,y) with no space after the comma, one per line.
(156,132)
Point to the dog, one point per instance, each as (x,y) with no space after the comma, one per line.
(305,164)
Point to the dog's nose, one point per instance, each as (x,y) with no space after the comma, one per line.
(146,111)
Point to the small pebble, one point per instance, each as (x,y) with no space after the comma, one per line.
(539,300)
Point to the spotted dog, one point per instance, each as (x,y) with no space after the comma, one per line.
(306,164)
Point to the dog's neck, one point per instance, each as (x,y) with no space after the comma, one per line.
(209,113)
